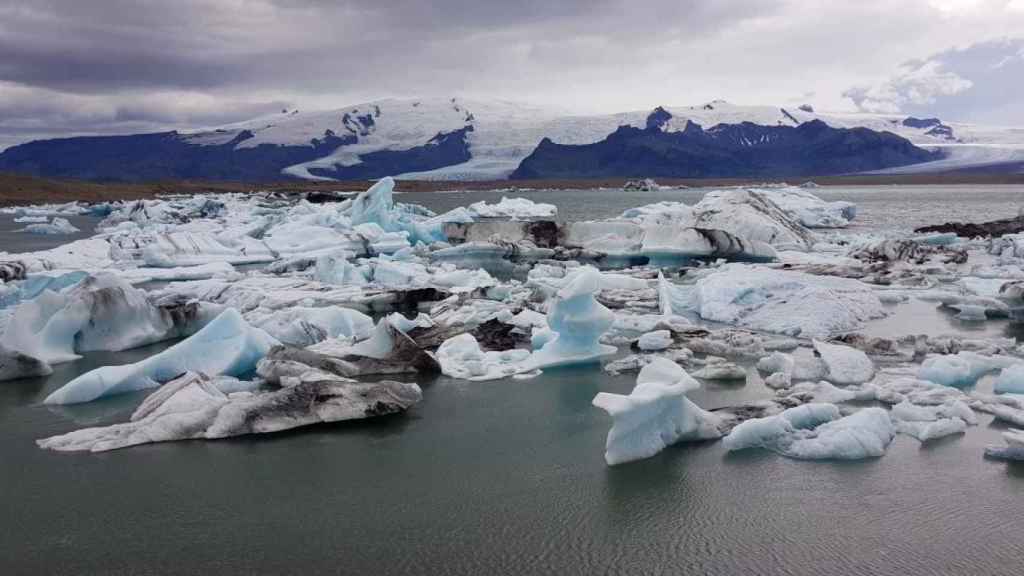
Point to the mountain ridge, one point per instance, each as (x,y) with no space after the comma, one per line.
(451,138)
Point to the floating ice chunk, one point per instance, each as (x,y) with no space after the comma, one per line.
(925,431)
(578,321)
(201,272)
(1010,380)
(970,312)
(31,219)
(960,370)
(811,211)
(14,364)
(720,369)
(513,208)
(844,365)
(193,407)
(461,357)
(335,268)
(931,422)
(654,341)
(823,392)
(775,432)
(662,213)
(784,302)
(815,433)
(777,362)
(908,411)
(227,345)
(1014,449)
(56,227)
(302,326)
(101,312)
(375,205)
(655,414)
(751,215)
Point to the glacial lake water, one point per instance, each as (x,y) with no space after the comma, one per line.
(508,477)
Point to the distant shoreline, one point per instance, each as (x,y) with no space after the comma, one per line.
(16,189)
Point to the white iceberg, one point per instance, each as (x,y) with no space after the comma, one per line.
(655,414)
(101,312)
(461,357)
(844,365)
(303,326)
(783,301)
(815,432)
(752,215)
(655,340)
(1010,380)
(577,321)
(55,227)
(513,208)
(227,345)
(962,369)
(812,211)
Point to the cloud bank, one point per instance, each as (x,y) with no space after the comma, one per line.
(105,66)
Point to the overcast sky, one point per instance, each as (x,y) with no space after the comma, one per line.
(106,66)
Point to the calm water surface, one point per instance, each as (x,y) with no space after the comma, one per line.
(507,477)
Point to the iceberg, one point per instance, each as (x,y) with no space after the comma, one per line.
(1014,449)
(752,215)
(303,326)
(810,210)
(577,321)
(816,432)
(960,370)
(14,364)
(227,345)
(783,301)
(844,365)
(513,209)
(461,357)
(191,406)
(655,414)
(716,368)
(387,351)
(55,227)
(1010,380)
(655,341)
(101,312)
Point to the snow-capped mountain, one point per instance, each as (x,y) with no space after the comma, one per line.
(452,138)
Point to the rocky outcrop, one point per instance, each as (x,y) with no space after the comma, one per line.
(989,229)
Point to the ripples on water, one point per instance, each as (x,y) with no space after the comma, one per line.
(505,477)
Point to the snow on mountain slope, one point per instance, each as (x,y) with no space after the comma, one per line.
(503,133)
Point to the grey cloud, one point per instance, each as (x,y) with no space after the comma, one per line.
(115,65)
(981,82)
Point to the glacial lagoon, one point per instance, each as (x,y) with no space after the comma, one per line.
(508,476)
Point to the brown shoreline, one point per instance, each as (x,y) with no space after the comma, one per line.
(19,189)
